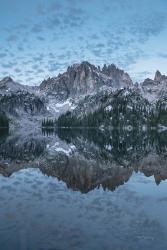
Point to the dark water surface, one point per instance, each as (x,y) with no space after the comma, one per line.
(83,189)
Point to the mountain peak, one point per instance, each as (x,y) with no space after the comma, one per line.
(7,79)
(111,69)
(157,76)
(85,65)
(85,78)
(7,84)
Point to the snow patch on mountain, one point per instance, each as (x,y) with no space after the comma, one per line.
(56,108)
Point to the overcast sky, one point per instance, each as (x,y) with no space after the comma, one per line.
(40,38)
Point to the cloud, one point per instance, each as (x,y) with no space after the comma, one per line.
(37,28)
(163,55)
(142,74)
(62,32)
(49,7)
(97,53)
(17,70)
(53,22)
(20,48)
(35,66)
(3,55)
(40,38)
(38,58)
(38,71)
(12,38)
(8,65)
(41,9)
(55,6)
(30,79)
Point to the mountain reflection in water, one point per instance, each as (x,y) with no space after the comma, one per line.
(87,158)
(119,203)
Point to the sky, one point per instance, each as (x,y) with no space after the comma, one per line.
(41,38)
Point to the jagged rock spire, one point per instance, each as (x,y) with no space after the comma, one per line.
(85,78)
(157,76)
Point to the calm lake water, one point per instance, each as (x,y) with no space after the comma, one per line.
(83,189)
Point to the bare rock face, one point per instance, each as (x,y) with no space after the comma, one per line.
(155,89)
(8,85)
(5,80)
(159,77)
(118,76)
(21,102)
(85,78)
(17,100)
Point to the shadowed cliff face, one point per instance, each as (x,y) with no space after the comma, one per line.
(21,102)
(87,159)
(85,78)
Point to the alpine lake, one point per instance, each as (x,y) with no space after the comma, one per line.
(83,189)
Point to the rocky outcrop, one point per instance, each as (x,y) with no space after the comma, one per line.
(119,77)
(20,102)
(8,85)
(83,79)
(154,89)
(159,77)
